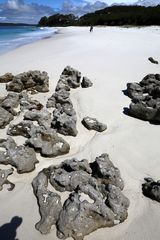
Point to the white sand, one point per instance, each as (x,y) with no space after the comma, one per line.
(110,57)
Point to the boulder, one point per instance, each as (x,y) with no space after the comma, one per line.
(26,103)
(31,80)
(21,157)
(5,117)
(10,102)
(48,143)
(86,83)
(43,117)
(3,178)
(93,124)
(7,77)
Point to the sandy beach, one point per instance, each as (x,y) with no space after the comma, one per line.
(110,57)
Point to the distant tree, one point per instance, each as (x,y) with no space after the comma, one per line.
(43,21)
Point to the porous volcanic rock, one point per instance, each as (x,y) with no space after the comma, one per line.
(43,117)
(86,83)
(7,77)
(93,124)
(5,117)
(151,189)
(95,201)
(10,102)
(145,97)
(26,103)
(21,157)
(31,80)
(3,178)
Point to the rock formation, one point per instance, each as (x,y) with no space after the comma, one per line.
(145,97)
(151,189)
(5,117)
(21,157)
(3,178)
(93,124)
(95,200)
(7,77)
(31,81)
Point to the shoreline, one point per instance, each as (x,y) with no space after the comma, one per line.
(110,57)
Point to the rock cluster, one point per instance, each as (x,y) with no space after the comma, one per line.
(95,200)
(31,81)
(42,139)
(93,124)
(145,98)
(151,189)
(21,157)
(3,178)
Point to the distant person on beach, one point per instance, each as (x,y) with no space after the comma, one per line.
(91,28)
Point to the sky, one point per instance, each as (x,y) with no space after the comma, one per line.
(30,11)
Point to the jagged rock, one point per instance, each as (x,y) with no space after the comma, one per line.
(70,78)
(152,60)
(105,172)
(59,97)
(43,117)
(10,102)
(6,78)
(93,124)
(145,97)
(151,189)
(27,103)
(24,128)
(21,157)
(49,203)
(48,143)
(93,203)
(31,80)
(64,120)
(79,218)
(5,117)
(86,83)
(3,178)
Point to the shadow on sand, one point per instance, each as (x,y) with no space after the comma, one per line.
(8,231)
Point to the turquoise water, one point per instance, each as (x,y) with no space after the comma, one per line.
(14,36)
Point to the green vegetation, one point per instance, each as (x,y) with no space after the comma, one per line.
(110,16)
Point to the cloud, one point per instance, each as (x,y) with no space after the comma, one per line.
(19,11)
(83,8)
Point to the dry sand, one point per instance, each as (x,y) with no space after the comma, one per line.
(110,57)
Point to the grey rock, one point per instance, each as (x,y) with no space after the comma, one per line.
(26,103)
(65,121)
(43,117)
(93,124)
(24,128)
(152,60)
(134,90)
(20,157)
(151,189)
(3,178)
(31,80)
(7,77)
(48,143)
(86,83)
(49,203)
(105,172)
(10,102)
(5,117)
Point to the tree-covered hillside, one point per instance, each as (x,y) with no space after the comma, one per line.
(111,16)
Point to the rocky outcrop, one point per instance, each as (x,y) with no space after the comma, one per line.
(7,77)
(3,178)
(5,117)
(145,97)
(86,83)
(93,124)
(21,157)
(64,115)
(96,199)
(151,189)
(152,60)
(31,81)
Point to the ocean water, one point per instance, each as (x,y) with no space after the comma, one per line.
(14,36)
